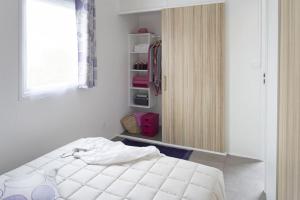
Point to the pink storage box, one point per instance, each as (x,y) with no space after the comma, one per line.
(140,81)
(150,124)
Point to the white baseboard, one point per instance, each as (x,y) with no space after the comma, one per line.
(243,156)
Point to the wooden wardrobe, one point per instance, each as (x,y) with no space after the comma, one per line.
(289,102)
(193,76)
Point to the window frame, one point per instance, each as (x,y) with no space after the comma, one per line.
(24,93)
(22,49)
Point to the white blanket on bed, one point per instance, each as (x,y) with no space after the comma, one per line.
(100,151)
(159,178)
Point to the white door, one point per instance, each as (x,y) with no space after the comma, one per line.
(245,89)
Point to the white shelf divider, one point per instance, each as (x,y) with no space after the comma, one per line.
(139,70)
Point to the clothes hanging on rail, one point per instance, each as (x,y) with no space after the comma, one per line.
(154,62)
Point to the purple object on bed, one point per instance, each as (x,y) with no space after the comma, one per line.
(43,192)
(168,151)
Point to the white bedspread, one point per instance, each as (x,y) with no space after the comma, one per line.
(153,178)
(100,151)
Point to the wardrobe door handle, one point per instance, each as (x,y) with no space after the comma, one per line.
(165,83)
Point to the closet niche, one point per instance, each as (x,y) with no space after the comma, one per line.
(191,106)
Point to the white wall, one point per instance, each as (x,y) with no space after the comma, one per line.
(29,129)
(151,20)
(244,72)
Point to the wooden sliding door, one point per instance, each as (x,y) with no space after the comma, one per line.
(289,102)
(193,70)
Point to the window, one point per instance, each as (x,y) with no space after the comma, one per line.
(50,56)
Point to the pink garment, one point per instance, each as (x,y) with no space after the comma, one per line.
(140,81)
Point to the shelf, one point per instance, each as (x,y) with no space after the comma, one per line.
(139,88)
(139,52)
(141,55)
(140,34)
(138,106)
(138,70)
(144,35)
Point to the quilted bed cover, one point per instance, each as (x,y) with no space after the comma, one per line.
(158,178)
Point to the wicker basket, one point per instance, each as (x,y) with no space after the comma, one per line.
(130,124)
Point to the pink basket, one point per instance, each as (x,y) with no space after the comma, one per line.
(150,124)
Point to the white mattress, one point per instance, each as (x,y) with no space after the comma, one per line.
(162,178)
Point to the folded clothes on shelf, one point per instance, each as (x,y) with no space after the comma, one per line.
(140,66)
(140,81)
(141,99)
(141,48)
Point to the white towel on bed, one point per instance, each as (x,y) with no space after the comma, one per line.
(100,151)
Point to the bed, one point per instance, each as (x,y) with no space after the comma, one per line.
(159,178)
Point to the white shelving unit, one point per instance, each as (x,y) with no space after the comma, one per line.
(133,58)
